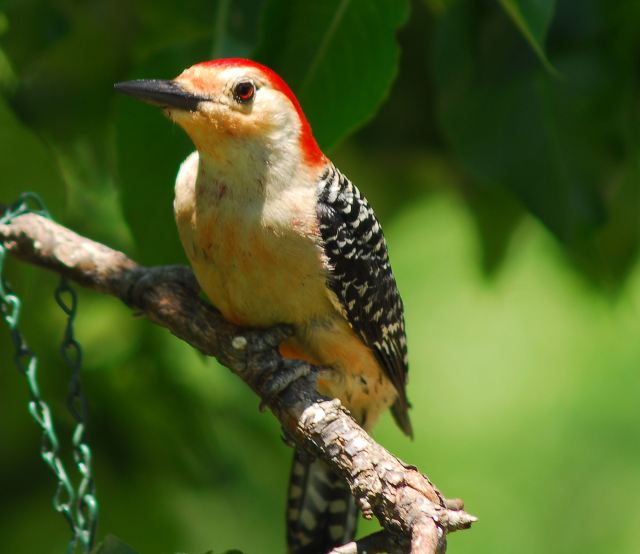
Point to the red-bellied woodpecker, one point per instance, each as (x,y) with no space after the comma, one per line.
(276,234)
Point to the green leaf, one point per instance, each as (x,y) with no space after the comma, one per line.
(559,145)
(165,27)
(500,112)
(65,83)
(339,56)
(532,18)
(113,545)
(31,166)
(236,28)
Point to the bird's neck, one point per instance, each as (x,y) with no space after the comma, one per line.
(254,175)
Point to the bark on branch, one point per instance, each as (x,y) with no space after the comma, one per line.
(414,515)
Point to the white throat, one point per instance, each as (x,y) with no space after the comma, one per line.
(255,173)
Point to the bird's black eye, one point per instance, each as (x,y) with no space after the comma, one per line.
(244,91)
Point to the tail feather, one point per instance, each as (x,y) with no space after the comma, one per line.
(321,512)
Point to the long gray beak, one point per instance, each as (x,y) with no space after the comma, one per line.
(166,94)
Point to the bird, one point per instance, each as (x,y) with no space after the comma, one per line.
(276,234)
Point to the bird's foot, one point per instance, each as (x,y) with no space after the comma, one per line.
(144,279)
(273,381)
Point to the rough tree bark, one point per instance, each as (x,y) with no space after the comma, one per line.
(414,515)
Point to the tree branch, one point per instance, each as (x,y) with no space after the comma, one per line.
(376,543)
(415,516)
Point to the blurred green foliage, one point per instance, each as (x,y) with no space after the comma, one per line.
(501,151)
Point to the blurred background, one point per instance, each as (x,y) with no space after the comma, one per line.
(499,144)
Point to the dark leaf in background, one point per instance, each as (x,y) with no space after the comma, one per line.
(31,165)
(237,27)
(495,232)
(163,27)
(64,89)
(339,57)
(555,142)
(532,19)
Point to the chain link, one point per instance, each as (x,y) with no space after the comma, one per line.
(79,506)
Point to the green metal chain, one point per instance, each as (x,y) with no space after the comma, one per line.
(78,506)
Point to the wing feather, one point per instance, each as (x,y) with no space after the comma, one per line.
(362,279)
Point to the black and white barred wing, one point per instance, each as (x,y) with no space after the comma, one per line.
(362,278)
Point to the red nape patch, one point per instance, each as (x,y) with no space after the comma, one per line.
(308,144)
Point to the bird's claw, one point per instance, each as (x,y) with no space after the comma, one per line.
(274,381)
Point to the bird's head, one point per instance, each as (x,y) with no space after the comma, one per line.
(234,110)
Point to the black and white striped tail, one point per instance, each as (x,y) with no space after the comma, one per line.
(321,512)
